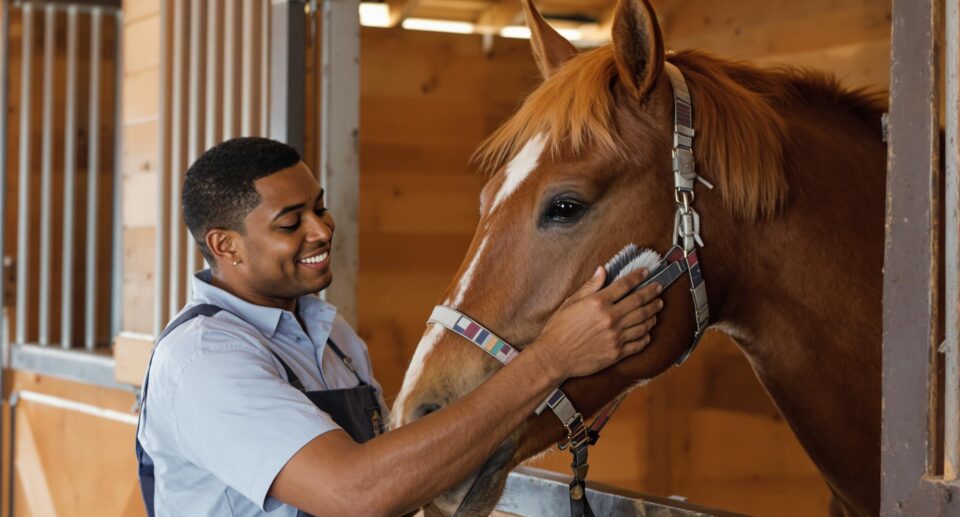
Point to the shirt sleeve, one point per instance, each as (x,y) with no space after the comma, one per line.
(239,419)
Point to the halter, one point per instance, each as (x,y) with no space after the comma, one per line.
(681,258)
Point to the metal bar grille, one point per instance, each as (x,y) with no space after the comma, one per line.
(46,259)
(951,463)
(213,66)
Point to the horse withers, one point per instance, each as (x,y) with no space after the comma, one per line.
(793,233)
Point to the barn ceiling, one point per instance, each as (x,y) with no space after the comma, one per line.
(588,19)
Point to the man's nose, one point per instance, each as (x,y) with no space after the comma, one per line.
(318,229)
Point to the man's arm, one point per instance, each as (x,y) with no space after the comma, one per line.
(403,469)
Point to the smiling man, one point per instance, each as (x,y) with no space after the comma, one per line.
(259,398)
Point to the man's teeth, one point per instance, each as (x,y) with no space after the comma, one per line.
(314,260)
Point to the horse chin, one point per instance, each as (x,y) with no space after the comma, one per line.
(477,495)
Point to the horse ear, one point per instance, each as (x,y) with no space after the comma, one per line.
(637,45)
(550,49)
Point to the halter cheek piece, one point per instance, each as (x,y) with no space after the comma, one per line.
(681,258)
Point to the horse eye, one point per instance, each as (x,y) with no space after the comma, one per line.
(564,210)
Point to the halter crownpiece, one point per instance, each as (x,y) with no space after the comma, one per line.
(681,258)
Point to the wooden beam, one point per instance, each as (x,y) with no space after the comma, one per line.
(501,14)
(401,10)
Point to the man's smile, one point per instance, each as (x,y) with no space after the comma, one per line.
(318,260)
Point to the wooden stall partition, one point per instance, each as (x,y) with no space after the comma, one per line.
(73,449)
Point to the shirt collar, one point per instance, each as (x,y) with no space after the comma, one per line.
(265,319)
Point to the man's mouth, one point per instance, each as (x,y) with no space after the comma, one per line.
(318,260)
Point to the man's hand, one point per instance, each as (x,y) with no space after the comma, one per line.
(595,328)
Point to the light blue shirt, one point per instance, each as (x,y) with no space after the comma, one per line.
(221,418)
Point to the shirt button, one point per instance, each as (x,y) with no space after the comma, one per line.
(298,338)
(286,316)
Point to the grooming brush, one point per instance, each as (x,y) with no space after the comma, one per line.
(629,259)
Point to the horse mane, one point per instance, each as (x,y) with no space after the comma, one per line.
(737,107)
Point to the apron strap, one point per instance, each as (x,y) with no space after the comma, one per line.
(346,360)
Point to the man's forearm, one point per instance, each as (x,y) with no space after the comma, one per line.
(426,456)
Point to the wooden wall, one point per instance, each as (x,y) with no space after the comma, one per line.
(705,431)
(67,462)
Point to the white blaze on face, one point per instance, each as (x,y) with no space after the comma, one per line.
(467,278)
(427,342)
(519,169)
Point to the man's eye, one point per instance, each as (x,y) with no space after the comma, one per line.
(291,227)
(564,210)
(320,211)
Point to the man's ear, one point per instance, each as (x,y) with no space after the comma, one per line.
(224,245)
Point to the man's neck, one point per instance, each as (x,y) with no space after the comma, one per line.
(220,280)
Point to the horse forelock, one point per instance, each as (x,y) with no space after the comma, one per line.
(738,116)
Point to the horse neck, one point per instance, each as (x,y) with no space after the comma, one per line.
(800,294)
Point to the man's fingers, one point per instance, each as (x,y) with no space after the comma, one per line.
(636,299)
(635,346)
(641,314)
(619,288)
(638,331)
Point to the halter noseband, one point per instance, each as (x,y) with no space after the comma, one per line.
(681,258)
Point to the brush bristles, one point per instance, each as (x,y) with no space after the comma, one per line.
(628,260)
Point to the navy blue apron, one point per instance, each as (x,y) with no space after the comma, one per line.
(357,410)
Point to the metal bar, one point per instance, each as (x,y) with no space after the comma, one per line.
(23,207)
(230,76)
(287,43)
(69,183)
(339,150)
(214,73)
(951,436)
(910,293)
(161,274)
(264,67)
(534,492)
(46,172)
(195,121)
(4,122)
(4,156)
(93,173)
(116,298)
(251,62)
(76,365)
(80,4)
(177,157)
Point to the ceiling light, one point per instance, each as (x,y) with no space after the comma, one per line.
(523,32)
(425,24)
(374,14)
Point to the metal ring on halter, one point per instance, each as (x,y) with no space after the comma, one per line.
(682,198)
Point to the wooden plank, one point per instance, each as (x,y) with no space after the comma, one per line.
(140,147)
(131,352)
(401,10)
(140,191)
(135,10)
(806,31)
(499,15)
(30,472)
(141,38)
(144,105)
(139,279)
(859,65)
(910,297)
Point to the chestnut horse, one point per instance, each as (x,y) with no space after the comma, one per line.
(793,232)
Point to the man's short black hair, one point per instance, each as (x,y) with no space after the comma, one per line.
(218,190)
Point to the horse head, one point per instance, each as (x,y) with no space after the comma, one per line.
(582,169)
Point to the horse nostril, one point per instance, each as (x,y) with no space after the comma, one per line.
(426,409)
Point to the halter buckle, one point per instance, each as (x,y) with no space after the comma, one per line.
(577,434)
